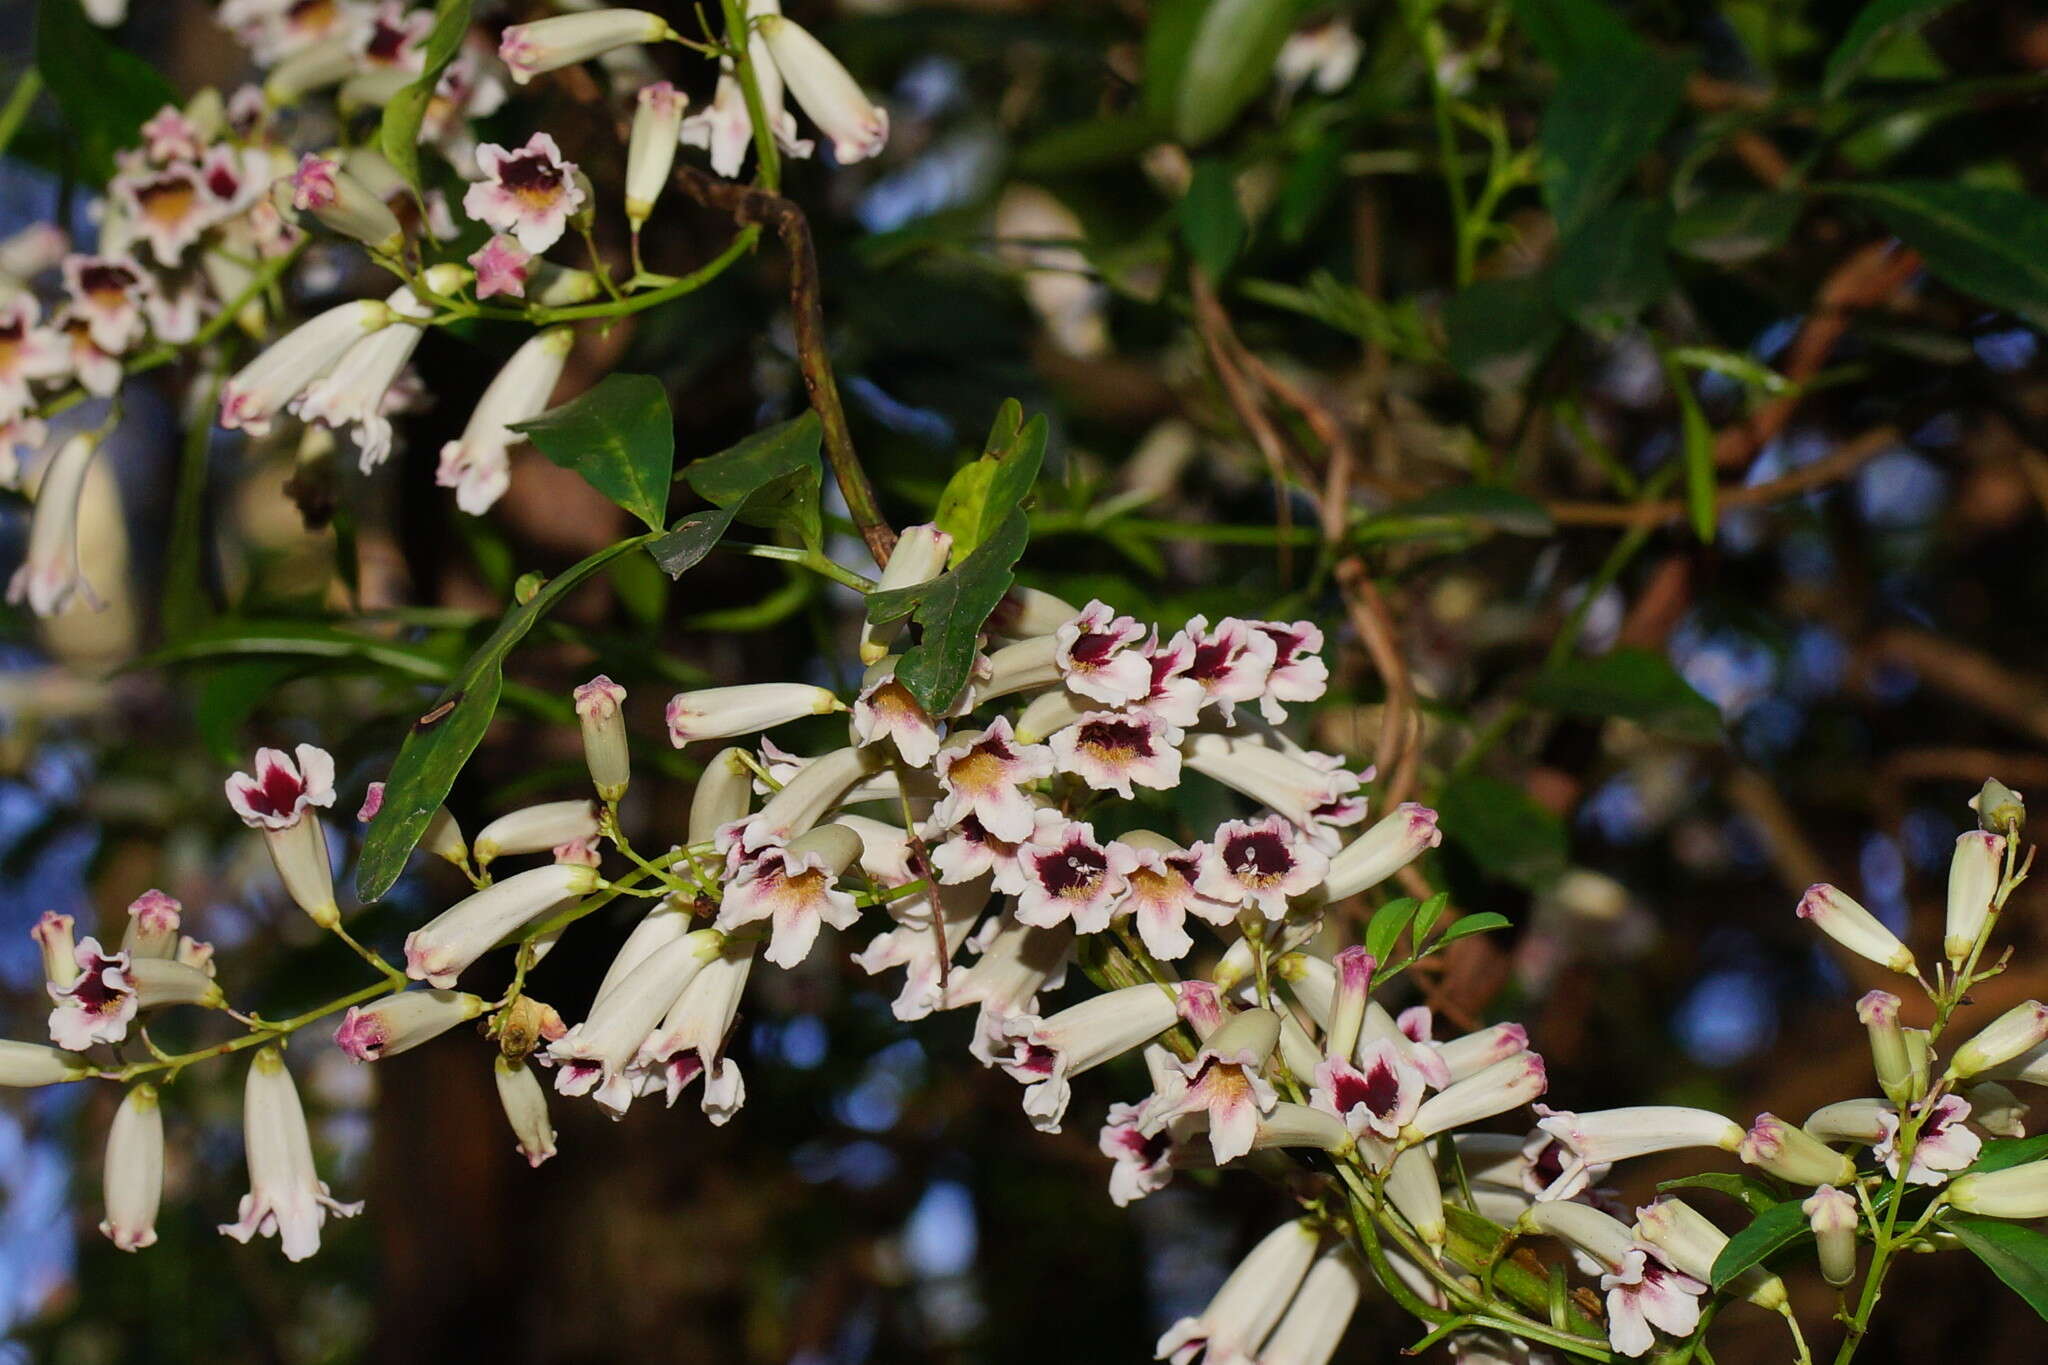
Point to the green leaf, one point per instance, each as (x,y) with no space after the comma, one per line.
(981,493)
(1876,25)
(690,539)
(1500,330)
(1632,684)
(304,640)
(442,739)
(1728,229)
(1772,1229)
(1757,1195)
(770,479)
(1388,922)
(1614,266)
(1229,63)
(1432,910)
(2003,1153)
(106,93)
(1100,142)
(619,436)
(1485,922)
(2017,1254)
(1985,241)
(1696,448)
(1169,34)
(951,610)
(230,695)
(1572,33)
(1210,222)
(1499,509)
(398,135)
(1600,121)
(1312,177)
(1501,828)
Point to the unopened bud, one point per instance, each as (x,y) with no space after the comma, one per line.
(1999,808)
(526,1109)
(1879,1012)
(2023,1026)
(1794,1154)
(604,734)
(1832,1215)
(1973,877)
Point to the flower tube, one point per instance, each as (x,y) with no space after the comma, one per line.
(1833,1216)
(1383,850)
(536,829)
(51,574)
(1503,1086)
(1837,914)
(919,557)
(399,1023)
(439,950)
(594,1057)
(353,390)
(134,1186)
(825,90)
(566,39)
(478,464)
(1291,788)
(286,1199)
(1793,1154)
(1251,1302)
(1315,1322)
(604,736)
(1044,1055)
(29,1066)
(1878,1011)
(253,396)
(2018,1192)
(1691,1243)
(651,148)
(723,712)
(2019,1029)
(345,204)
(526,1108)
(1974,873)
(689,1043)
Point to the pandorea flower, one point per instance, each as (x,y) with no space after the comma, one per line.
(134,1170)
(1096,657)
(1044,1055)
(278,802)
(502,267)
(983,775)
(1223,1081)
(1259,864)
(1160,878)
(1068,877)
(1378,1096)
(107,292)
(1644,1292)
(564,40)
(529,193)
(1230,663)
(1250,1303)
(399,1023)
(596,1057)
(168,208)
(169,136)
(28,352)
(689,1043)
(1111,750)
(826,91)
(797,889)
(1944,1144)
(1298,673)
(253,396)
(286,1198)
(52,573)
(356,389)
(886,710)
(97,1003)
(478,465)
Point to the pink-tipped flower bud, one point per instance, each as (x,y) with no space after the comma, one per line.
(2018,1192)
(134,1170)
(152,926)
(398,1023)
(1974,874)
(2023,1026)
(1879,1013)
(564,40)
(1794,1154)
(1833,1217)
(604,736)
(53,935)
(345,204)
(651,149)
(1838,915)
(526,1109)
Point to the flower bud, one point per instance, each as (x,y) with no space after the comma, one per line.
(53,935)
(1604,1238)
(548,44)
(345,204)
(1835,913)
(1354,987)
(604,736)
(722,712)
(135,1170)
(1691,1243)
(1383,850)
(1503,1086)
(651,150)
(1973,877)
(163,981)
(398,1023)
(252,398)
(152,926)
(536,829)
(1027,613)
(825,90)
(2016,1192)
(1414,1190)
(526,1109)
(1864,1121)
(1999,808)
(440,949)
(1832,1215)
(1879,1012)
(724,791)
(1793,1154)
(2023,1026)
(299,852)
(29,1065)
(1316,1321)
(919,557)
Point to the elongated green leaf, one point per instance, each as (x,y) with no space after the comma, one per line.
(2017,1254)
(442,739)
(1210,222)
(1498,509)
(1485,922)
(1614,266)
(1600,121)
(620,436)
(398,135)
(1771,1230)
(1169,34)
(1229,61)
(1432,910)
(1729,229)
(2003,1153)
(1696,448)
(1985,241)
(980,495)
(106,93)
(1089,146)
(951,610)
(304,640)
(1388,922)
(1501,828)
(1632,684)
(1875,25)
(1752,1192)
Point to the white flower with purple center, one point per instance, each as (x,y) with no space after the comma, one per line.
(1170,694)
(1260,864)
(282,791)
(1230,663)
(97,371)
(169,136)
(1111,750)
(169,208)
(1378,1096)
(1223,1081)
(393,39)
(236,179)
(886,710)
(502,267)
(1044,1055)
(529,193)
(1143,1161)
(1096,657)
(1298,673)
(107,292)
(1945,1145)
(28,352)
(1068,877)
(984,775)
(970,851)
(96,1005)
(1644,1292)
(1161,882)
(796,888)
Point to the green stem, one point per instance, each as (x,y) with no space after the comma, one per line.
(19,99)
(767,156)
(184,592)
(813,560)
(175,1063)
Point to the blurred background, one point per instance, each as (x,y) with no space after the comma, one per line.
(1525,372)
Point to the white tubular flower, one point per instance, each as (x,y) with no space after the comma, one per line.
(1378,1025)
(28,1066)
(797,888)
(983,774)
(1111,750)
(596,1057)
(529,193)
(160,981)
(1793,1154)
(1643,1292)
(690,1041)
(1096,658)
(286,1198)
(353,392)
(1027,613)
(1974,873)
(969,851)
(1858,1121)
(1690,1243)
(886,710)
(723,712)
(1044,1055)
(1250,1303)
(526,1109)
(1503,1086)
(439,950)
(1413,1188)
(1068,877)
(1311,980)
(1878,1011)
(1223,1082)
(1298,673)
(1833,1217)
(2019,1029)
(1025,666)
(168,208)
(1920,1057)
(723,793)
(1478,1050)
(478,466)
(536,829)
(724,128)
(919,557)
(806,798)
(399,1023)
(651,149)
(28,352)
(1943,1146)
(1141,1164)
(107,293)
(95,1005)
(564,40)
(1159,877)
(1379,1096)
(134,1185)
(345,204)
(669,920)
(51,574)
(279,802)
(313,67)
(914,945)
(152,926)
(1837,914)
(1271,778)
(1997,1110)
(604,736)
(2018,1192)
(1315,1322)
(1598,1139)
(1050,712)
(1016,962)
(1346,1013)
(53,937)
(1260,865)
(825,90)
(1383,850)
(252,398)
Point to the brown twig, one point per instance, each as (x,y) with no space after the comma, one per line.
(749,205)
(1836,465)
(1969,676)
